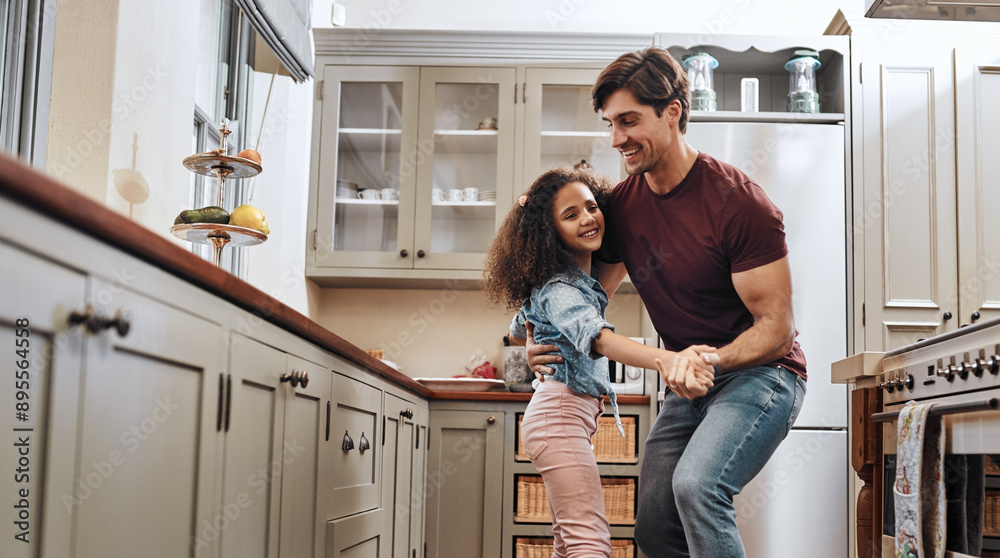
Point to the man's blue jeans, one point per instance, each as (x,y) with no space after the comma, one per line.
(702,452)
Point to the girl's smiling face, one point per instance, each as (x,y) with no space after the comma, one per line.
(579,222)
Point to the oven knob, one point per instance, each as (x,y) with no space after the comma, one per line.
(979,366)
(908,382)
(633,373)
(994,364)
(963,370)
(887,385)
(946,373)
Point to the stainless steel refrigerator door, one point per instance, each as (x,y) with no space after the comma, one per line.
(797,506)
(801,167)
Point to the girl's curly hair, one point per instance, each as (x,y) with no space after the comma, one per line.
(527,251)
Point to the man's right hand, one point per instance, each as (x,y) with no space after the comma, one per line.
(540,355)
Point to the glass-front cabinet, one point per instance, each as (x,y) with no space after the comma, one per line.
(465,169)
(561,126)
(416,166)
(367,183)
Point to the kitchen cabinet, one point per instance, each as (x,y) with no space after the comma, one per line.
(464,486)
(411,131)
(422,130)
(160,418)
(561,126)
(355,448)
(920,190)
(39,296)
(273,433)
(404,463)
(358,536)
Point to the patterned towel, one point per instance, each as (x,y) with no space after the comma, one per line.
(919,491)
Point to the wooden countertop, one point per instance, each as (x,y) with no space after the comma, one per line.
(39,191)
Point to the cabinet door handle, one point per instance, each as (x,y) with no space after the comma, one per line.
(946,315)
(976,315)
(222,394)
(327,421)
(229,398)
(420,253)
(491,420)
(363,444)
(96,323)
(303,378)
(403,253)
(294,378)
(348,443)
(408,413)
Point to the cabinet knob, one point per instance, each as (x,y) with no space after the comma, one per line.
(294,378)
(976,315)
(408,413)
(946,316)
(304,379)
(491,420)
(403,253)
(420,253)
(347,444)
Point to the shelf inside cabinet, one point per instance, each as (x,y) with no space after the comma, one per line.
(380,208)
(370,140)
(465,141)
(476,210)
(573,143)
(784,117)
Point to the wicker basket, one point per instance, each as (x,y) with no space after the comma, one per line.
(991,467)
(533,506)
(542,548)
(991,514)
(609,446)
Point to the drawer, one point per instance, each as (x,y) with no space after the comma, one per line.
(356,414)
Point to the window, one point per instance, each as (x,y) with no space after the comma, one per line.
(222,92)
(26,30)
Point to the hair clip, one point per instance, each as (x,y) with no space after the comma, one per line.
(522,200)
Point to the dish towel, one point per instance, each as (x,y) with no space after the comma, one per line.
(919,491)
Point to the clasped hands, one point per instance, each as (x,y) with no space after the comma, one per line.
(689,374)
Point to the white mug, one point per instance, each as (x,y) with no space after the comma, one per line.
(455,195)
(470,194)
(390,194)
(369,194)
(437,194)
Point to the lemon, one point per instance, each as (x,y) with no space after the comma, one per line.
(250,217)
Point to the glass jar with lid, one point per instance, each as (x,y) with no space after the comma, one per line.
(700,81)
(802,93)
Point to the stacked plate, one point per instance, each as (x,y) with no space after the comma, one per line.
(346,188)
(488,195)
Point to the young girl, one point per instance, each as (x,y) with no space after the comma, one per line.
(540,263)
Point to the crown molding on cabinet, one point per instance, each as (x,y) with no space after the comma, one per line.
(365,44)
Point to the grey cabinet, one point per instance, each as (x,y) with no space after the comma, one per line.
(464,487)
(44,366)
(146,429)
(920,141)
(273,435)
(358,536)
(404,462)
(354,450)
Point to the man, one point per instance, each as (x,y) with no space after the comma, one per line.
(706,251)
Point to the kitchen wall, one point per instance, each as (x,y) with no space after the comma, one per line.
(124,73)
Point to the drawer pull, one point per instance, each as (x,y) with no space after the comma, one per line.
(348,443)
(363,444)
(407,414)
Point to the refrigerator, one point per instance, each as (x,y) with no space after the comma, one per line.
(798,504)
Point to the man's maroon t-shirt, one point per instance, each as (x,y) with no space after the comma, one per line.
(681,249)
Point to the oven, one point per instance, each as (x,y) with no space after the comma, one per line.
(959,372)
